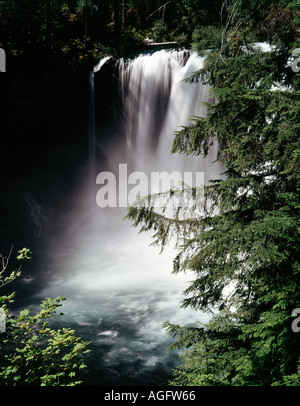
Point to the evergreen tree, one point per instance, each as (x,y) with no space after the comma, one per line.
(243,245)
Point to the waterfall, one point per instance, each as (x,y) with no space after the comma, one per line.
(92,134)
(119,289)
(156,102)
(92,129)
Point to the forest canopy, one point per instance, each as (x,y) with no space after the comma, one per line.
(103,25)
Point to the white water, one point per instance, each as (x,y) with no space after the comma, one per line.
(101,63)
(119,289)
(156,103)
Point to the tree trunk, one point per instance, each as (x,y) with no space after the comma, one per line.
(85,13)
(48,24)
(117,17)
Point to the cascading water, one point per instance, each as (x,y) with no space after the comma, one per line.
(119,289)
(155,102)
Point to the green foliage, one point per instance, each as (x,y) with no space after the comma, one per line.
(4,262)
(159,31)
(83,27)
(212,351)
(33,353)
(129,43)
(205,38)
(242,243)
